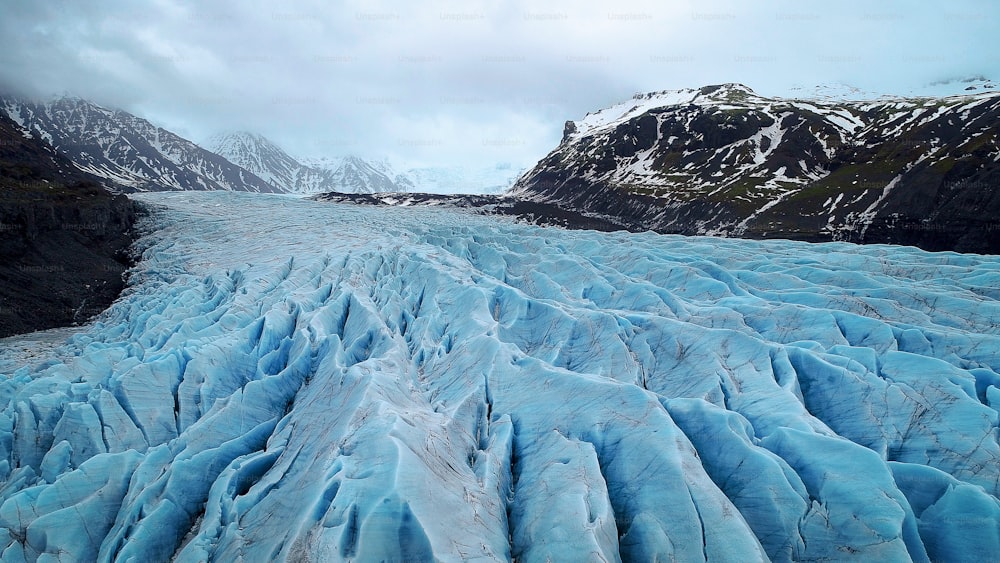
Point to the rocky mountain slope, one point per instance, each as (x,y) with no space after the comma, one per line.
(723,160)
(131,154)
(64,240)
(127,150)
(353,174)
(265,159)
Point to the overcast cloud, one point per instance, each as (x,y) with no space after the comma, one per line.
(464,82)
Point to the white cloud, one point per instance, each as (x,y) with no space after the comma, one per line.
(491,81)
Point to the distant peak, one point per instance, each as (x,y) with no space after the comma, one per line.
(241,136)
(255,142)
(69,100)
(66,97)
(726,89)
(836,91)
(72,99)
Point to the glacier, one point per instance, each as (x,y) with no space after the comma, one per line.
(287,379)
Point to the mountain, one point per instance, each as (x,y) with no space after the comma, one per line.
(463,179)
(723,160)
(127,150)
(415,384)
(352,174)
(64,240)
(265,159)
(454,179)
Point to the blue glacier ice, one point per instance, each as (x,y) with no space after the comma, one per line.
(293,380)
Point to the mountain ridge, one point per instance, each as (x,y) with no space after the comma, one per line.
(355,174)
(723,160)
(125,150)
(261,156)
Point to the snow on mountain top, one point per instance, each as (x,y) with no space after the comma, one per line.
(128,150)
(833,93)
(957,86)
(734,95)
(322,162)
(246,149)
(247,138)
(641,103)
(628,109)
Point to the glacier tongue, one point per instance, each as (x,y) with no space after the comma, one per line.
(294,380)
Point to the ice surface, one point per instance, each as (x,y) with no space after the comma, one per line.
(294,380)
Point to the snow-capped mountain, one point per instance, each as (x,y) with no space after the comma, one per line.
(127,150)
(724,160)
(455,179)
(353,174)
(463,179)
(414,384)
(265,159)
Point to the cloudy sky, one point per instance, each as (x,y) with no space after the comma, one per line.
(475,82)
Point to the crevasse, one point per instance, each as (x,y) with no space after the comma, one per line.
(294,380)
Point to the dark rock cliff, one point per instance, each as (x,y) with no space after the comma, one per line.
(64,239)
